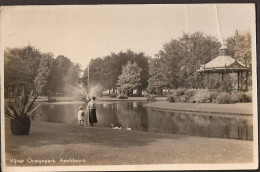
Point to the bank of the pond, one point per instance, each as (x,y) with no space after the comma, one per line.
(103,98)
(238,108)
(97,146)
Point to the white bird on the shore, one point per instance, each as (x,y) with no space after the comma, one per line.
(117,128)
(126,127)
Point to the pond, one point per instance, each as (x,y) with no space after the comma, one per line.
(139,117)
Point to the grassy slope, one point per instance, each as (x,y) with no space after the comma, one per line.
(108,146)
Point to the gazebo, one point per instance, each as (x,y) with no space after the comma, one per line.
(223,64)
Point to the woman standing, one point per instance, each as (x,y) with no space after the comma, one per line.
(92,111)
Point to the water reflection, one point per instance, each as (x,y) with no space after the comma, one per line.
(141,118)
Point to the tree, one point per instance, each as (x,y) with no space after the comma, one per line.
(130,78)
(239,47)
(178,61)
(105,71)
(59,70)
(158,79)
(20,68)
(43,82)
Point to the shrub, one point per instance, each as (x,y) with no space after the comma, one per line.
(170,98)
(237,97)
(176,95)
(223,98)
(183,98)
(248,96)
(112,95)
(151,97)
(122,96)
(226,85)
(192,100)
(50,100)
(202,97)
(213,95)
(180,92)
(190,93)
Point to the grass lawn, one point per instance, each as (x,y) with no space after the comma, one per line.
(100,146)
(238,108)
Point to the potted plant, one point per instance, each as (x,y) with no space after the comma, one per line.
(19,113)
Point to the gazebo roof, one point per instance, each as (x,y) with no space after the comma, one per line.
(223,63)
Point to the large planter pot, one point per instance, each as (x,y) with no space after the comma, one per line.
(21,127)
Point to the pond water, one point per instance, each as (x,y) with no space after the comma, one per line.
(139,117)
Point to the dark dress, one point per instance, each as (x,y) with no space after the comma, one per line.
(92,116)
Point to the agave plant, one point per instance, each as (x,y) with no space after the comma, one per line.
(19,113)
(21,108)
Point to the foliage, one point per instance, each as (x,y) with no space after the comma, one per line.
(42,80)
(59,70)
(192,100)
(178,95)
(223,98)
(202,96)
(21,66)
(170,98)
(239,47)
(190,93)
(238,97)
(28,68)
(158,78)
(189,51)
(112,95)
(106,70)
(122,96)
(21,108)
(130,77)
(150,97)
(180,91)
(192,96)
(226,85)
(50,100)
(208,96)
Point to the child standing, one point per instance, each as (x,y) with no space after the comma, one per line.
(81,115)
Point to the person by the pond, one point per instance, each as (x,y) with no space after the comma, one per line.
(81,115)
(92,111)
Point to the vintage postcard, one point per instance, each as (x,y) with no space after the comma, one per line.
(128,87)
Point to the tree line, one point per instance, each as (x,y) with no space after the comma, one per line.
(172,67)
(27,68)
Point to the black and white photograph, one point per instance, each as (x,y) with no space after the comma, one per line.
(128,87)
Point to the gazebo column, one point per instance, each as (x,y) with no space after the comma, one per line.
(201,78)
(208,80)
(238,80)
(241,80)
(246,80)
(223,75)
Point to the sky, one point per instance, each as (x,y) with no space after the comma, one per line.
(82,33)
